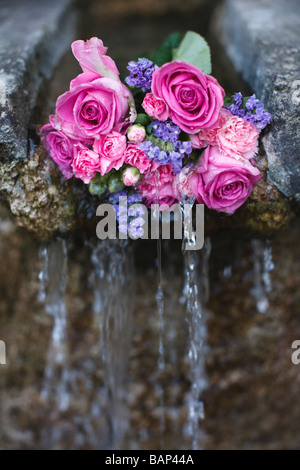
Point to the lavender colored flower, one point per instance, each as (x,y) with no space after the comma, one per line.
(252,103)
(140,74)
(164,147)
(172,156)
(134,198)
(114,197)
(166,130)
(238,99)
(251,110)
(122,212)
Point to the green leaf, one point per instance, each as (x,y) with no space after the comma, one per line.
(165,52)
(228,100)
(194,50)
(142,119)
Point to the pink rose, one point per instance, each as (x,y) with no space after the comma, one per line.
(193,98)
(134,156)
(209,136)
(59,147)
(238,138)
(155,107)
(159,183)
(131,176)
(94,106)
(91,57)
(86,163)
(221,182)
(111,149)
(136,133)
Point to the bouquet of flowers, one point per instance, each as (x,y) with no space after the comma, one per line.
(165,132)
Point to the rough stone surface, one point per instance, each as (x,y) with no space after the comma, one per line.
(33,37)
(261,38)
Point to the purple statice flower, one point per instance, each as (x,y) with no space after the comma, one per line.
(263,118)
(166,148)
(166,130)
(140,74)
(252,110)
(252,103)
(163,157)
(134,198)
(122,213)
(238,99)
(114,197)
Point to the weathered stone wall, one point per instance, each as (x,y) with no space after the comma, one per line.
(34,37)
(262,41)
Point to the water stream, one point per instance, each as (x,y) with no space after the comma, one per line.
(160,308)
(104,422)
(53,279)
(262,267)
(112,283)
(195,295)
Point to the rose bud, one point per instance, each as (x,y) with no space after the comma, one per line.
(115,183)
(136,133)
(131,176)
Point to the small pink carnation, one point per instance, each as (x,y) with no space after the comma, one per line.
(159,183)
(155,107)
(134,156)
(209,136)
(111,149)
(86,163)
(238,138)
(181,182)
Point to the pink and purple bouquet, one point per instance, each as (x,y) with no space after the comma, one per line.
(167,131)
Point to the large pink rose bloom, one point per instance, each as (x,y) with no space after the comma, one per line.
(194,99)
(111,148)
(85,164)
(221,182)
(159,183)
(94,105)
(92,57)
(238,138)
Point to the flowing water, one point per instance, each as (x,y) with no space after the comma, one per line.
(113,306)
(195,295)
(160,308)
(262,267)
(53,279)
(104,422)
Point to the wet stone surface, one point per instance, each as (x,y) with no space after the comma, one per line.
(34,37)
